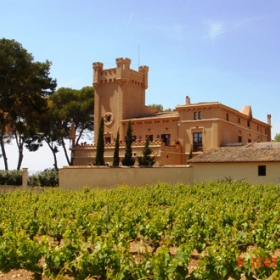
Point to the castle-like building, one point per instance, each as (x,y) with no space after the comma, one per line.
(198,127)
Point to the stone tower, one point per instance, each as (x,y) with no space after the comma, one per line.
(119,95)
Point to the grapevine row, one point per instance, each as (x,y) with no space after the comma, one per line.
(150,232)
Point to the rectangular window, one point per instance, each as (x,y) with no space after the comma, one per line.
(262,170)
(107,140)
(133,138)
(227,118)
(194,115)
(199,115)
(197,141)
(239,139)
(248,123)
(238,120)
(150,137)
(165,138)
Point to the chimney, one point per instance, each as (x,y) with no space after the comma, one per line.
(269,130)
(269,119)
(188,100)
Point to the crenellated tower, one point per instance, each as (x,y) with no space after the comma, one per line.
(119,95)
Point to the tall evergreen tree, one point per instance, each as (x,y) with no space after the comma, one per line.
(128,160)
(146,159)
(99,159)
(116,160)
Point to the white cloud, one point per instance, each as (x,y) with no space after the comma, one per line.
(216,28)
(246,21)
(129,19)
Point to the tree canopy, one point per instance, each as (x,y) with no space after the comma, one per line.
(160,108)
(72,106)
(25,86)
(66,107)
(277,137)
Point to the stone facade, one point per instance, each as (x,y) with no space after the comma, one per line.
(120,97)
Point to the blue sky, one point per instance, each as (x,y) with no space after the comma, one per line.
(211,50)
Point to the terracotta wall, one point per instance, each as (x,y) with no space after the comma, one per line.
(77,177)
(237,171)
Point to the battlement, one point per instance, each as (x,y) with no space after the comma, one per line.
(121,60)
(97,65)
(121,73)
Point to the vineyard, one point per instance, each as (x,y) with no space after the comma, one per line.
(221,230)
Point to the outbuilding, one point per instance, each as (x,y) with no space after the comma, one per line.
(256,163)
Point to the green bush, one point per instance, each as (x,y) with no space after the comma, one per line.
(48,178)
(33,180)
(11,177)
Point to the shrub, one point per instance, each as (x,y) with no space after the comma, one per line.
(48,178)
(33,180)
(146,159)
(11,177)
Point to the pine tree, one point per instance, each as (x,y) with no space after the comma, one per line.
(116,160)
(128,160)
(146,159)
(99,159)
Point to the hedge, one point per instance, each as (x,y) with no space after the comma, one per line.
(46,178)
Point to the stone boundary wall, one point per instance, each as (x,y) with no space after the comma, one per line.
(103,177)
